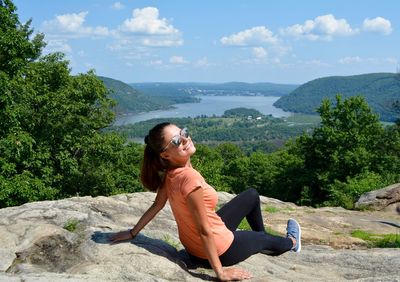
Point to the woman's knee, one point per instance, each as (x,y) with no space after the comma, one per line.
(253,193)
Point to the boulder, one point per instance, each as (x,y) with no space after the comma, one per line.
(380,199)
(68,240)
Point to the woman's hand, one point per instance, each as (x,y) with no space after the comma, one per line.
(121,236)
(229,274)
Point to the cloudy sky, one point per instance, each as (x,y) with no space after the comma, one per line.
(285,41)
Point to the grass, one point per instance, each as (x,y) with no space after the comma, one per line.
(71,224)
(303,118)
(244,225)
(270,209)
(378,240)
(170,241)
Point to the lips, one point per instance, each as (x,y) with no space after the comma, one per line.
(188,146)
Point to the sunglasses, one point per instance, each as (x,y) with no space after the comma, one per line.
(177,139)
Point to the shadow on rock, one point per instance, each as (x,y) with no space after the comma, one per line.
(160,248)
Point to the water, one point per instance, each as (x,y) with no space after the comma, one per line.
(209,106)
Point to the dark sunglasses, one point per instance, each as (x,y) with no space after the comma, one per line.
(177,139)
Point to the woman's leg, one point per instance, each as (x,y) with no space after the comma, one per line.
(248,243)
(245,205)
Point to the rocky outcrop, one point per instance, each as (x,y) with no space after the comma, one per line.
(67,240)
(380,199)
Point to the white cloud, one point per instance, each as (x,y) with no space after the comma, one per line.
(202,63)
(156,62)
(117,6)
(72,26)
(254,36)
(259,52)
(146,28)
(322,27)
(378,25)
(89,65)
(391,60)
(160,42)
(178,60)
(316,63)
(58,45)
(350,60)
(82,53)
(147,21)
(368,60)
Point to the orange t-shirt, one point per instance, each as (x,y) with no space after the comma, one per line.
(179,183)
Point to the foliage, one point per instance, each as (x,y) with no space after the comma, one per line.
(131,101)
(378,240)
(380,90)
(16,50)
(51,144)
(71,224)
(346,193)
(171,241)
(210,163)
(55,139)
(266,134)
(344,146)
(347,154)
(244,225)
(242,112)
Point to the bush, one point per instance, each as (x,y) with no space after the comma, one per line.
(345,194)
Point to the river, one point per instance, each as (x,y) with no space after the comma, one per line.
(209,106)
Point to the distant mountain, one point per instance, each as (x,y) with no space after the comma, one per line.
(262,88)
(229,88)
(380,90)
(130,100)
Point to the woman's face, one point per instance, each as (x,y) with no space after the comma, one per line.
(177,148)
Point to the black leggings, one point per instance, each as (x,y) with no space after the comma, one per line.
(247,243)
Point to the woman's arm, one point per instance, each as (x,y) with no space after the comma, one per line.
(158,204)
(196,206)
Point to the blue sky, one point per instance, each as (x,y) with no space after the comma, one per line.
(286,41)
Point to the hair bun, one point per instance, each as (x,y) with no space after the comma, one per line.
(146,139)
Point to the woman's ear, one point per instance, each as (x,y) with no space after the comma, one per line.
(164,155)
(163,162)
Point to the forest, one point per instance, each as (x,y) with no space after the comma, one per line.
(55,140)
(247,128)
(380,90)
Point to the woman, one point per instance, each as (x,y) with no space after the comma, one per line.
(207,236)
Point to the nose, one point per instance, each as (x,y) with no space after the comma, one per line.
(185,139)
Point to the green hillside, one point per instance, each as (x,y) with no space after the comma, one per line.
(128,99)
(380,90)
(131,100)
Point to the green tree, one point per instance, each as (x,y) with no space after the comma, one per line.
(209,162)
(16,48)
(229,152)
(344,146)
(51,142)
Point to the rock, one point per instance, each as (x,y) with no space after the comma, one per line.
(67,240)
(379,199)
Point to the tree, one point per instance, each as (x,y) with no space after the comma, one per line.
(16,49)
(51,139)
(396,104)
(345,145)
(209,162)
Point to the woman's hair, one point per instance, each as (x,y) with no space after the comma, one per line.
(152,164)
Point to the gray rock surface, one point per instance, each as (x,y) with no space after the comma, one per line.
(379,199)
(36,246)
